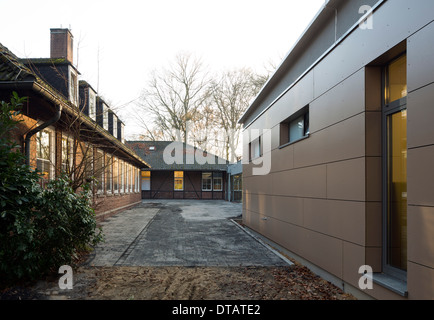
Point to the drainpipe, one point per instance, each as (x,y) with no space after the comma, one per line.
(38,129)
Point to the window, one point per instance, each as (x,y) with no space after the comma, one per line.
(179,180)
(217,181)
(237,183)
(116,175)
(115,126)
(67,154)
(92,105)
(105,120)
(73,87)
(121,176)
(45,153)
(146,180)
(255,148)
(109,174)
(206,181)
(99,171)
(295,127)
(395,167)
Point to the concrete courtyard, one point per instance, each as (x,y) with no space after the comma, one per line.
(182,233)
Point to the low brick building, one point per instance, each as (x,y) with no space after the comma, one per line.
(180,171)
(67,128)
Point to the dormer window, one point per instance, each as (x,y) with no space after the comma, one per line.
(73,86)
(92,105)
(105,116)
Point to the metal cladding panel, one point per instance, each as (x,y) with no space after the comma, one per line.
(420,52)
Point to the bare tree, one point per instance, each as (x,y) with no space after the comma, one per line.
(231,96)
(174,98)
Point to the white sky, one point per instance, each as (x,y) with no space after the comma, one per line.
(133,37)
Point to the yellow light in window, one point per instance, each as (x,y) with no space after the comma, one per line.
(146,174)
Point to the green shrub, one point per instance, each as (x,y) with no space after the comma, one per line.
(40,229)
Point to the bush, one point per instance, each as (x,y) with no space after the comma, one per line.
(40,229)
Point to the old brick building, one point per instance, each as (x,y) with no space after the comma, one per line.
(67,128)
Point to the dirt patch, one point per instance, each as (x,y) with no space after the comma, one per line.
(186,283)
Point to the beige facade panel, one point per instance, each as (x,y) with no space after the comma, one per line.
(344,101)
(420,54)
(340,219)
(346,180)
(420,176)
(421,117)
(421,235)
(373,179)
(374,224)
(344,140)
(305,182)
(258,184)
(282,159)
(286,209)
(391,22)
(353,258)
(420,282)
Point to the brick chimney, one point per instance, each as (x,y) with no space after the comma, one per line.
(61,44)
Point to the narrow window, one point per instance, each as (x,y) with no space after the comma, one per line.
(92,105)
(116,175)
(67,154)
(206,181)
(395,165)
(99,171)
(45,154)
(255,149)
(146,180)
(179,180)
(109,174)
(217,181)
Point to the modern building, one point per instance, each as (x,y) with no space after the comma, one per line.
(180,171)
(343,132)
(64,131)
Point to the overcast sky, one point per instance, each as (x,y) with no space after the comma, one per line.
(133,37)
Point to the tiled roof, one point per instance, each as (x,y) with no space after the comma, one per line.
(11,69)
(154,156)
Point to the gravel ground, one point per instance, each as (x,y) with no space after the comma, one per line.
(183,283)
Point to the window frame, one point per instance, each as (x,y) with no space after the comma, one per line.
(210,181)
(285,127)
(255,145)
(51,152)
(215,177)
(178,178)
(145,175)
(389,108)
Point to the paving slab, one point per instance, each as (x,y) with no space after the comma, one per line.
(182,233)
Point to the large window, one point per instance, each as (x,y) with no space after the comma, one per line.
(179,180)
(45,153)
(395,166)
